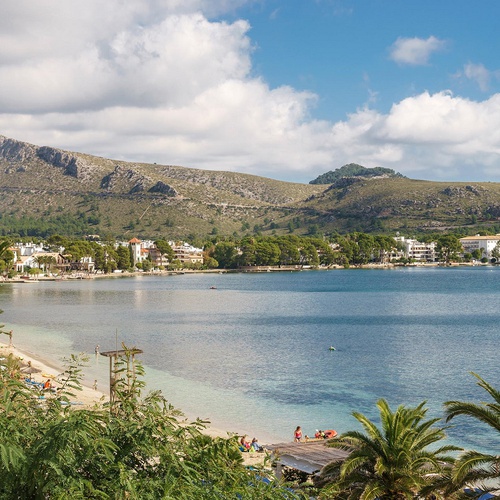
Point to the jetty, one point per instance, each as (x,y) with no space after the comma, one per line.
(308,456)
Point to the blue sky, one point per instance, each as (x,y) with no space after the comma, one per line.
(343,50)
(283,89)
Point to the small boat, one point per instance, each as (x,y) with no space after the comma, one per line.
(330,433)
(331,348)
(213,288)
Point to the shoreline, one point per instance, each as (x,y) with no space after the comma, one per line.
(88,396)
(243,270)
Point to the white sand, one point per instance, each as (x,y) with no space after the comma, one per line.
(87,396)
(50,370)
(90,397)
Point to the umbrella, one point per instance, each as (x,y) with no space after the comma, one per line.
(30,370)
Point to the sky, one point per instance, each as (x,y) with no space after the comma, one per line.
(285,89)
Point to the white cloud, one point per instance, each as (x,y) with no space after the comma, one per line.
(165,84)
(415,51)
(439,136)
(479,74)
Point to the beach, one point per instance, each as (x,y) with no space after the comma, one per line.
(88,397)
(51,369)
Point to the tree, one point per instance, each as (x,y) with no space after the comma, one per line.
(247,257)
(105,257)
(309,254)
(123,257)
(366,247)
(6,257)
(79,249)
(477,253)
(473,467)
(448,247)
(495,253)
(45,262)
(135,447)
(164,248)
(225,254)
(384,245)
(393,462)
(267,254)
(289,251)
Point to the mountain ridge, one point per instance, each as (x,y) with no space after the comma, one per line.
(120,198)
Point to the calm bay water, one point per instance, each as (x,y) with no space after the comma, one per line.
(252,355)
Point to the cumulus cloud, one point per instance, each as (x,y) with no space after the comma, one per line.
(415,51)
(146,81)
(439,136)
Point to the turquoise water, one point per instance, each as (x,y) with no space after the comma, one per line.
(252,355)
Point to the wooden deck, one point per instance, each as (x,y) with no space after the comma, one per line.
(309,456)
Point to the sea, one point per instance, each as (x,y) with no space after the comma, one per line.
(250,352)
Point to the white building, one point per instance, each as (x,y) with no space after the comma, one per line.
(483,243)
(186,253)
(416,250)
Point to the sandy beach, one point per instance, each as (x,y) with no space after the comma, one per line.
(88,396)
(49,369)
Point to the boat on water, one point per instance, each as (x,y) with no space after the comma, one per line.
(331,348)
(328,434)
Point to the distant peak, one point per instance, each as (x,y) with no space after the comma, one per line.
(354,170)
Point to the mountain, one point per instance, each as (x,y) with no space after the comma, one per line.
(45,190)
(354,170)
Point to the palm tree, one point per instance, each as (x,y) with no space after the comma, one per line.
(473,467)
(393,462)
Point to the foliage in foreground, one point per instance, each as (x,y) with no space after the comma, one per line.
(474,467)
(133,448)
(394,462)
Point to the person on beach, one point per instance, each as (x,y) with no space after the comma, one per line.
(47,386)
(255,445)
(297,435)
(97,350)
(244,444)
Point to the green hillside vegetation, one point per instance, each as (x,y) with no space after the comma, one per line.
(47,191)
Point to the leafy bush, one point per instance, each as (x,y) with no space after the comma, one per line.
(132,447)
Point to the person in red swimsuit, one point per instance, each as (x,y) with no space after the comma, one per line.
(297,435)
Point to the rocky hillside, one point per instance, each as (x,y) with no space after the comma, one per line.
(40,186)
(354,170)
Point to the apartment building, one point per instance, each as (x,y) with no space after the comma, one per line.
(485,244)
(416,250)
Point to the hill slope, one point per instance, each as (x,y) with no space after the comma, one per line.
(41,184)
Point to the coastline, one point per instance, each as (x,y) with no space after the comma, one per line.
(54,329)
(88,396)
(248,269)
